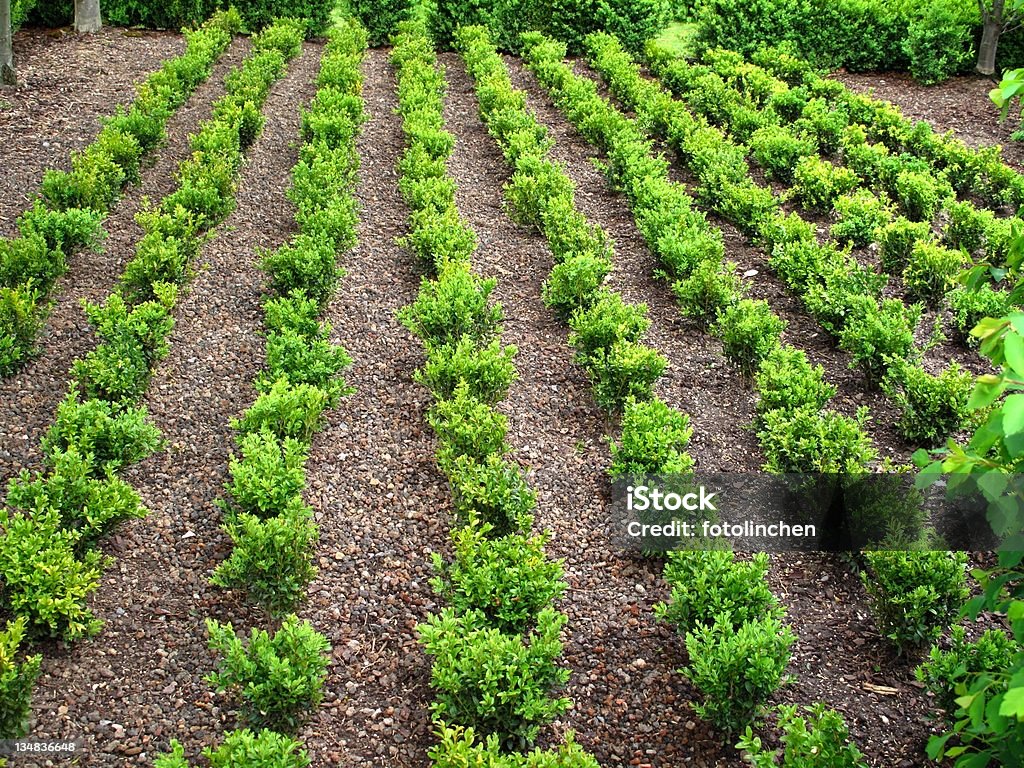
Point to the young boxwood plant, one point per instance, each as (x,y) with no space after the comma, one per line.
(268,476)
(16,681)
(491,491)
(279,678)
(465,426)
(243,749)
(991,652)
(653,441)
(486,371)
(931,407)
(458,747)
(820,739)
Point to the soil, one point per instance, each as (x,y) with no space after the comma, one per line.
(381,504)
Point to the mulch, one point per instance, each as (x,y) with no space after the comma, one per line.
(383,507)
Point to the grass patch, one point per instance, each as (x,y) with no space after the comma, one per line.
(678,38)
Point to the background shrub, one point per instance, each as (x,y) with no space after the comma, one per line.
(381,17)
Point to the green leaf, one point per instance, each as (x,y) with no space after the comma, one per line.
(1013,348)
(1013,704)
(987,389)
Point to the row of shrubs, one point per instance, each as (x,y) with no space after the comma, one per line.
(47,562)
(278,678)
(495,647)
(69,213)
(842,295)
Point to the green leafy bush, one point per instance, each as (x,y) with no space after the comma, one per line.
(822,740)
(286,410)
(508,579)
(278,677)
(315,15)
(877,331)
(709,290)
(457,747)
(897,239)
(272,559)
(932,271)
(786,380)
(623,371)
(306,359)
(607,321)
(44,580)
(243,749)
(493,682)
(914,595)
(633,22)
(573,283)
(970,306)
(817,183)
(270,474)
(16,681)
(29,260)
(296,312)
(487,371)
(919,194)
(939,41)
(307,263)
(805,440)
(749,331)
(778,150)
(710,585)
(466,426)
(967,226)
(21,319)
(860,215)
(737,668)
(991,652)
(491,491)
(455,305)
(64,231)
(653,441)
(931,407)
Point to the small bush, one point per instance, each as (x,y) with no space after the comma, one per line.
(944,670)
(307,263)
(278,677)
(777,150)
(805,440)
(457,747)
(508,579)
(897,239)
(381,17)
(914,595)
(286,410)
(608,321)
(466,427)
(573,283)
(270,474)
(931,407)
(295,312)
(266,749)
(487,371)
(493,682)
(710,585)
(876,332)
(455,305)
(634,22)
(29,260)
(16,682)
(860,215)
(64,231)
(21,320)
(491,491)
(749,331)
(623,371)
(968,226)
(969,307)
(737,668)
(932,271)
(786,380)
(841,289)
(710,289)
(306,360)
(272,559)
(653,441)
(822,741)
(939,42)
(817,183)
(919,195)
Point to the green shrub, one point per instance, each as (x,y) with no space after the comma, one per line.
(817,183)
(278,677)
(967,226)
(805,440)
(737,668)
(445,16)
(315,15)
(244,749)
(381,17)
(63,231)
(824,123)
(749,331)
(307,263)
(932,271)
(608,320)
(992,652)
(457,747)
(491,491)
(931,407)
(842,288)
(439,239)
(710,585)
(875,332)
(939,41)
(454,306)
(295,312)
(897,239)
(21,320)
(158,260)
(822,741)
(306,360)
(28,260)
(653,441)
(272,559)
(919,194)
(493,682)
(634,22)
(709,290)
(487,371)
(786,380)
(270,474)
(860,215)
(569,234)
(914,595)
(970,306)
(466,427)
(885,511)
(508,579)
(116,371)
(44,580)
(623,371)
(777,150)
(86,504)
(16,682)
(573,283)
(286,410)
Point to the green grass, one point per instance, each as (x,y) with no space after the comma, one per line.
(677,38)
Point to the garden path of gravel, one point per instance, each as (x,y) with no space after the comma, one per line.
(140,682)
(66,83)
(29,398)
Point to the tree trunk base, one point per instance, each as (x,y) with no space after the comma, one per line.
(7,76)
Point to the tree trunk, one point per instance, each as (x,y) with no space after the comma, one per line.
(6,45)
(87,16)
(991,29)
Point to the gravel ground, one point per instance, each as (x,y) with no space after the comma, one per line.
(140,682)
(66,83)
(29,398)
